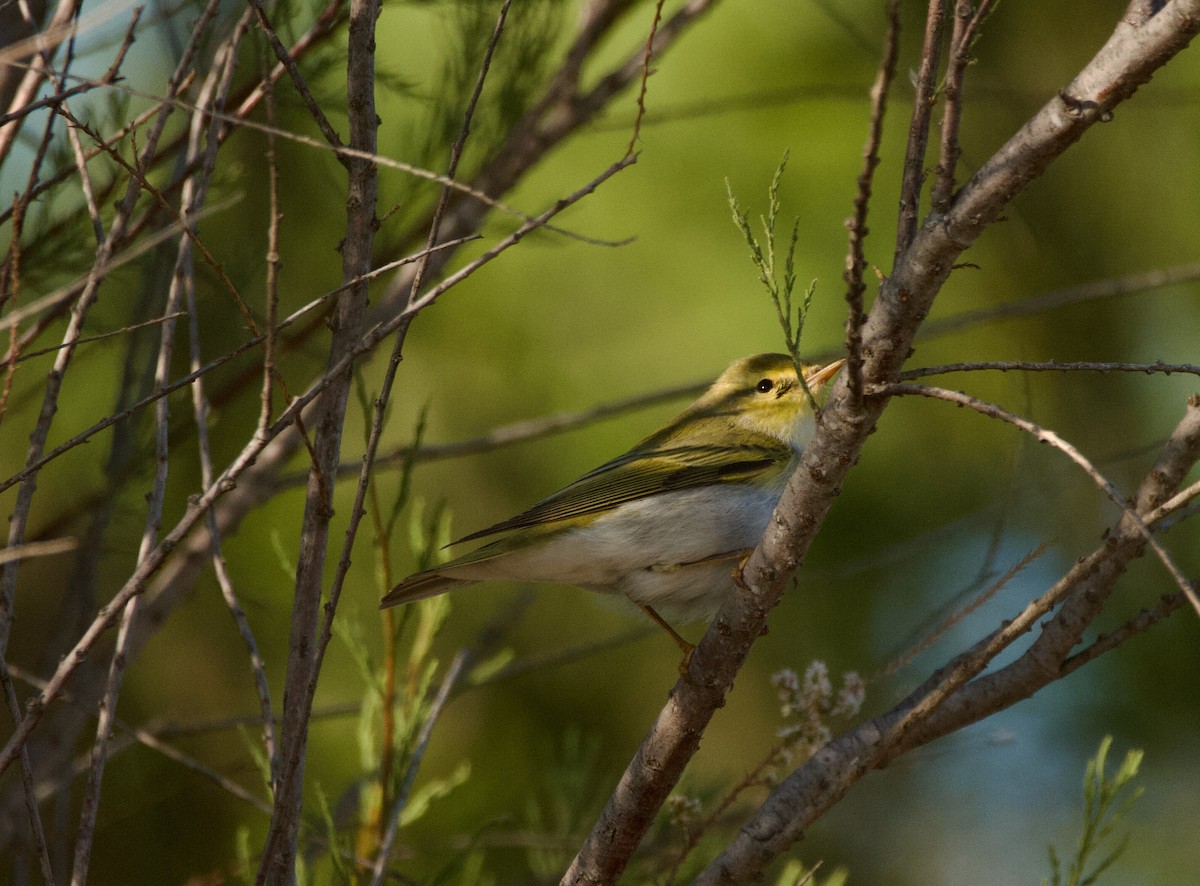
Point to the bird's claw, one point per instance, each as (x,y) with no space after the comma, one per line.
(743,559)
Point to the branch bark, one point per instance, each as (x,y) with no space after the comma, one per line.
(1129,58)
(954,697)
(279,852)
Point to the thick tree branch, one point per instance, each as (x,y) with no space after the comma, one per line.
(956,696)
(1126,61)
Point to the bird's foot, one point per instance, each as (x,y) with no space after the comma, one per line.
(743,558)
(684,646)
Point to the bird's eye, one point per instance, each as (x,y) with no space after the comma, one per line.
(764,385)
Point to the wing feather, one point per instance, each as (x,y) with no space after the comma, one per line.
(641,473)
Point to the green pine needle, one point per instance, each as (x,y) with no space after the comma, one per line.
(1101,815)
(763,254)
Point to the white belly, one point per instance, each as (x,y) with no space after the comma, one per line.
(649,550)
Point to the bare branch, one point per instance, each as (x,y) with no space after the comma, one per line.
(1042,435)
(964,32)
(1072,295)
(18,523)
(38,549)
(918,130)
(855,259)
(1128,59)
(193,196)
(435,711)
(1051,366)
(289,64)
(959,693)
(1145,620)
(303,662)
(29,790)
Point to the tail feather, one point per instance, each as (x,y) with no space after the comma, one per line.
(420,587)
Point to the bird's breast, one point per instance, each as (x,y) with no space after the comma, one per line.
(659,532)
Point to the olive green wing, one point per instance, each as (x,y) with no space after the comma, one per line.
(641,473)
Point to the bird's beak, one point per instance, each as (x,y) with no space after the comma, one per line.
(816,378)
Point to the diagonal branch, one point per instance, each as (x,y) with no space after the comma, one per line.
(956,695)
(1126,61)
(1042,435)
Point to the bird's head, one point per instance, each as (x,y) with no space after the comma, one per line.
(763,394)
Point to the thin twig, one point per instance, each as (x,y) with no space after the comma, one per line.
(1051,366)
(150,736)
(963,33)
(1174,504)
(37,832)
(857,223)
(1139,624)
(918,130)
(635,134)
(1042,435)
(102,336)
(62,24)
(414,765)
(293,70)
(66,172)
(193,195)
(323,25)
(186,380)
(346,153)
(32,549)
(562,110)
(54,301)
(199,505)
(517,432)
(186,223)
(201,407)
(109,77)
(378,414)
(274,262)
(1094,290)
(20,515)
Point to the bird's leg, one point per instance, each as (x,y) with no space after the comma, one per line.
(684,646)
(742,555)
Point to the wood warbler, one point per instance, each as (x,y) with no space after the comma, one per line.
(665,523)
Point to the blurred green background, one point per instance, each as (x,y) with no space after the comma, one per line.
(942,499)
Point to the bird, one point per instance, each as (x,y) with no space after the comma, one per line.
(666,523)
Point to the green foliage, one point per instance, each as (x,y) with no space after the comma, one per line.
(517,70)
(763,256)
(258,754)
(1101,815)
(434,789)
(568,792)
(338,849)
(795,873)
(246,865)
(283,558)
(397,694)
